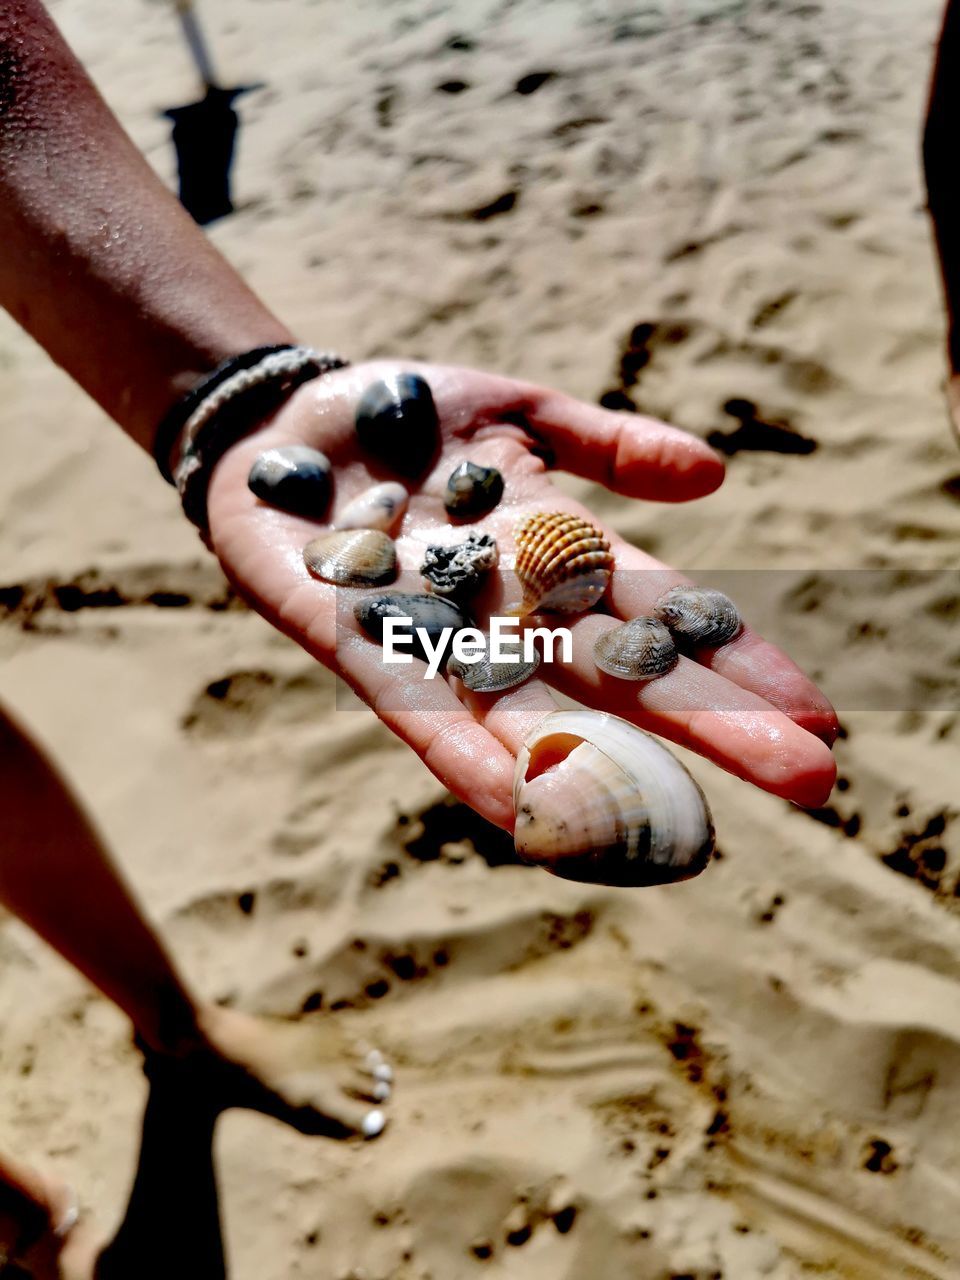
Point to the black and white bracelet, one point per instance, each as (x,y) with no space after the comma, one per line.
(225,406)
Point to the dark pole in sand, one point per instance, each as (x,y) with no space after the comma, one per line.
(195,41)
(204,132)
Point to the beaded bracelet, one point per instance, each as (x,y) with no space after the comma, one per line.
(227,405)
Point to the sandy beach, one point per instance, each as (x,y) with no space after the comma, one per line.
(710,210)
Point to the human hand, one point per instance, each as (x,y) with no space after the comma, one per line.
(745,706)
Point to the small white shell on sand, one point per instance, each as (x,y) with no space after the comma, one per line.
(601,801)
(382,506)
(69,1217)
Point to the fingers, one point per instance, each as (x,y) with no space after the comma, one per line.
(513,715)
(467,758)
(753,663)
(748,661)
(626,452)
(699,708)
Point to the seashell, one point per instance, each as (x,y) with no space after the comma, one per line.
(457,570)
(600,801)
(352,558)
(397,421)
(563,562)
(487,676)
(379,507)
(640,649)
(472,490)
(294,478)
(433,613)
(699,616)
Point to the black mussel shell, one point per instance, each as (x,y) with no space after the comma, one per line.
(397,421)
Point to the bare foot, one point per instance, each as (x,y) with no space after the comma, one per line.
(309,1076)
(41,1228)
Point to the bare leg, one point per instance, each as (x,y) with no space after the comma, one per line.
(57,877)
(943,187)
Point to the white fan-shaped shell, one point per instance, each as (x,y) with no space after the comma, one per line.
(599,800)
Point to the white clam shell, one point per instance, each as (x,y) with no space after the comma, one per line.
(380,507)
(601,801)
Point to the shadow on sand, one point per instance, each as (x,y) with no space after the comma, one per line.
(172,1223)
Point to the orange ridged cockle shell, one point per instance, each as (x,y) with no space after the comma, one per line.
(563,562)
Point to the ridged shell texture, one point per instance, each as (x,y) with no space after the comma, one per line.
(563,562)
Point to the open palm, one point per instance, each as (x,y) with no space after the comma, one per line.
(745,706)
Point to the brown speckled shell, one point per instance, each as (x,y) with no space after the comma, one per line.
(352,558)
(563,562)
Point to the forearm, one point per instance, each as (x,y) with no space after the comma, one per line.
(98,261)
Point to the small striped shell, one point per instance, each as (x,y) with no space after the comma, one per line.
(563,562)
(640,649)
(487,676)
(352,558)
(699,616)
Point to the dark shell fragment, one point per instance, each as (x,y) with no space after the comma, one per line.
(456,571)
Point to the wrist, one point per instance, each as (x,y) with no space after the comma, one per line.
(228,405)
(169,435)
(184,359)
